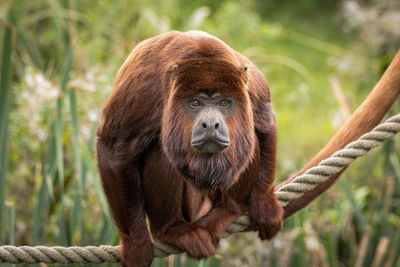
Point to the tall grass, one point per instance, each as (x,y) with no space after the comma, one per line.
(50,191)
(5,102)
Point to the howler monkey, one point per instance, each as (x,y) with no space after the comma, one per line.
(188,138)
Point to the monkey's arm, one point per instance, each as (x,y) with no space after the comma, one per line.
(264,207)
(122,185)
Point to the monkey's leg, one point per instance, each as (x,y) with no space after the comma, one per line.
(217,220)
(195,239)
(122,186)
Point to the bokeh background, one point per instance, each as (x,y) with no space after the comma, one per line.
(321,58)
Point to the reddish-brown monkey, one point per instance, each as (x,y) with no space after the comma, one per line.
(188,138)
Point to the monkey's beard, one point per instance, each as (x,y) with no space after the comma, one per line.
(209,171)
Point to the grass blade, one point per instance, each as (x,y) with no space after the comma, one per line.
(11,225)
(64,236)
(5,99)
(78,204)
(89,162)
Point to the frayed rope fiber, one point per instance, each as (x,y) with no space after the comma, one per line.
(286,193)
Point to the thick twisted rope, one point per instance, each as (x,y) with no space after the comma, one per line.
(301,184)
(338,161)
(64,255)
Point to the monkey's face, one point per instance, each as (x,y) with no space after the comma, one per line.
(208,128)
(210,132)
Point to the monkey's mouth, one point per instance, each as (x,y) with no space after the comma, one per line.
(210,145)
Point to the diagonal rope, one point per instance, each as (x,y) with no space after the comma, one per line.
(338,161)
(301,184)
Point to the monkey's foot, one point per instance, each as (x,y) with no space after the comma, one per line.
(267,216)
(194,239)
(136,253)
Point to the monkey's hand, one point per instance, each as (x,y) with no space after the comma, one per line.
(136,252)
(194,239)
(266,213)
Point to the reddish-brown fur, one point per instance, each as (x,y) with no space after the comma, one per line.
(148,166)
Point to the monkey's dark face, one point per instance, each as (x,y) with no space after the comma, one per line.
(207,126)
(210,133)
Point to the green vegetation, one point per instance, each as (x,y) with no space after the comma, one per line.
(58,61)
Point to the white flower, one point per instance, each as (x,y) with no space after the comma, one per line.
(92,115)
(88,82)
(38,95)
(312,243)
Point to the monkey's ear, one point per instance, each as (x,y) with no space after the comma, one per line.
(172,72)
(244,72)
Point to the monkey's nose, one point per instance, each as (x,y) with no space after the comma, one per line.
(209,125)
(210,134)
(211,129)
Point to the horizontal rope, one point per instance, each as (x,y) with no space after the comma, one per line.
(301,184)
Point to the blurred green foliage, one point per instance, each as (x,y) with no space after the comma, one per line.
(58,62)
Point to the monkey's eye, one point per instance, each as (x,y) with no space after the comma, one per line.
(194,103)
(224,103)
